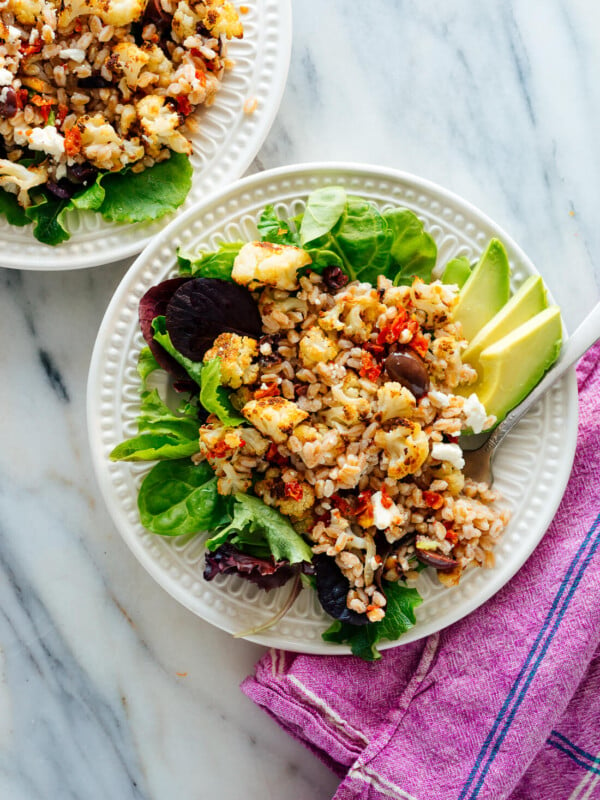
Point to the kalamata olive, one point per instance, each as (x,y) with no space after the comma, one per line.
(437,560)
(334,278)
(409,371)
(9,107)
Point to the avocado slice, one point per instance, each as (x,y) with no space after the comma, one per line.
(513,365)
(485,292)
(527,301)
(457,271)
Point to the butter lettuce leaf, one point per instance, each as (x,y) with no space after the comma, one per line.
(218,264)
(215,397)
(179,497)
(162,434)
(148,195)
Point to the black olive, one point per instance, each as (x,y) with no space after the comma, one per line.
(440,561)
(408,370)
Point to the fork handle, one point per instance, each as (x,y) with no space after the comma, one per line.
(576,345)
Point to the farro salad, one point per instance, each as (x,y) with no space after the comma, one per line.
(96,99)
(317,436)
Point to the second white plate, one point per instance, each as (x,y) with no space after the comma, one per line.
(226,142)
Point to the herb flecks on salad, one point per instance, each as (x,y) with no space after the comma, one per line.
(321,369)
(97,103)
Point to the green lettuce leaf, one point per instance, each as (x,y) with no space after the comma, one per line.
(255,523)
(215,397)
(162,434)
(276,230)
(210,265)
(148,195)
(146,365)
(413,250)
(9,206)
(324,208)
(193,368)
(399,618)
(178,497)
(47,216)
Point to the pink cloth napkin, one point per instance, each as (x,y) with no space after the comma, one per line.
(503,704)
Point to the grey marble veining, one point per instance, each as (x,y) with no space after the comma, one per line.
(110,689)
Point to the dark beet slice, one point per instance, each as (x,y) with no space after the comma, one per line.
(264,572)
(332,588)
(154,304)
(202,308)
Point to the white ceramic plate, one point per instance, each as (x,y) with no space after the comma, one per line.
(225,144)
(531,469)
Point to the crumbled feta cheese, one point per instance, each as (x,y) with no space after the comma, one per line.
(475,413)
(441,399)
(48,140)
(73,53)
(14,34)
(61,171)
(384,517)
(3,94)
(448,452)
(6,77)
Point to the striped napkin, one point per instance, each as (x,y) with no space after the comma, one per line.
(503,704)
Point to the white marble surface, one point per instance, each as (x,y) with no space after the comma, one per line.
(110,689)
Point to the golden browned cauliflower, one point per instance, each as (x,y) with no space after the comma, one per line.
(275,417)
(111,12)
(26,11)
(394,400)
(267,264)
(159,123)
(316,346)
(222,19)
(235,353)
(348,406)
(406,447)
(17,179)
(355,312)
(129,59)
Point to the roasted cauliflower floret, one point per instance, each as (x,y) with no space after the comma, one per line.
(275,417)
(406,448)
(17,179)
(267,264)
(218,441)
(102,145)
(111,12)
(185,21)
(348,406)
(26,11)
(394,400)
(355,312)
(235,353)
(159,123)
(129,59)
(316,346)
(222,19)
(293,499)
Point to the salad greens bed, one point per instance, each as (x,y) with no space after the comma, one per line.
(124,196)
(179,498)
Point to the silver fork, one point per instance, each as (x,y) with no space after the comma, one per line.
(480,449)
